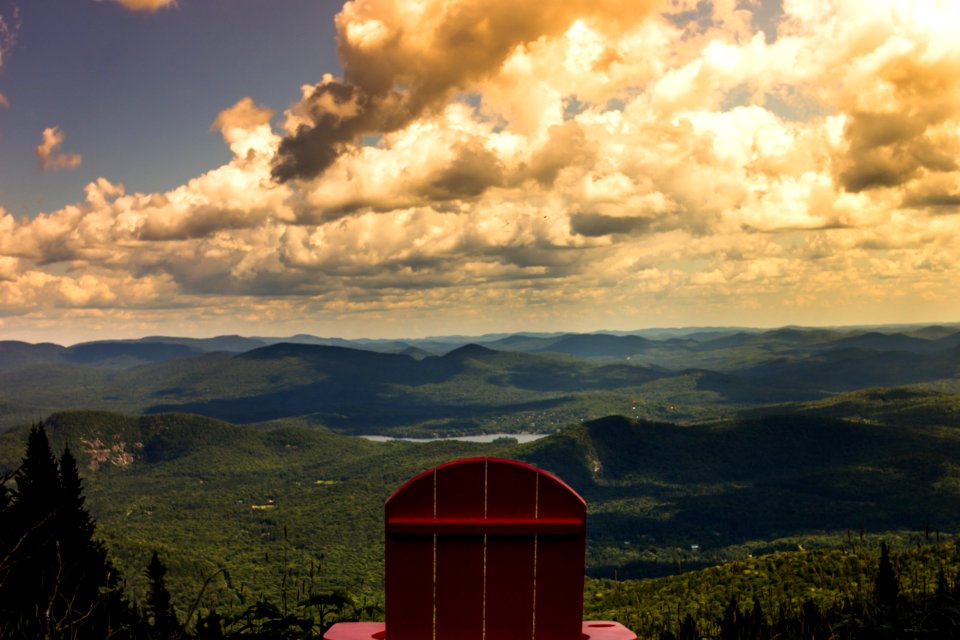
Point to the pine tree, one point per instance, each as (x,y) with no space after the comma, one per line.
(71,498)
(886,586)
(6,538)
(38,478)
(688,630)
(57,582)
(159,609)
(89,578)
(28,587)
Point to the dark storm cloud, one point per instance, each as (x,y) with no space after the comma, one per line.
(400,65)
(594,225)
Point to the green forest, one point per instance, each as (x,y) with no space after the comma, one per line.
(153,571)
(783,484)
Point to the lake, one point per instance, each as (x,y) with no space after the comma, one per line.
(483,437)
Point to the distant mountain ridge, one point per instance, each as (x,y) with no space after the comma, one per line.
(917,338)
(523,381)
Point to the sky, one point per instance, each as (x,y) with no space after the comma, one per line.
(404,168)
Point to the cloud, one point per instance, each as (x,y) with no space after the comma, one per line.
(123,228)
(243,116)
(597,224)
(245,128)
(145,5)
(9,27)
(401,60)
(589,167)
(894,79)
(939,193)
(49,155)
(32,289)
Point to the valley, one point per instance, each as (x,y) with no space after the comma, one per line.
(243,468)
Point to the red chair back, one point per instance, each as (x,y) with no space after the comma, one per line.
(485,548)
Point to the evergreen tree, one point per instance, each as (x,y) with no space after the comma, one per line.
(6,539)
(71,498)
(38,478)
(688,630)
(89,579)
(159,609)
(55,580)
(731,623)
(943,590)
(886,586)
(28,586)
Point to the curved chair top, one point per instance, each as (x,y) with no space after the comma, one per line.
(490,489)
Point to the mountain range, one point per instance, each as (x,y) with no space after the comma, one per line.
(496,383)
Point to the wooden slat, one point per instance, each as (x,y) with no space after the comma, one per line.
(460,492)
(559,598)
(459,588)
(493,526)
(409,587)
(509,587)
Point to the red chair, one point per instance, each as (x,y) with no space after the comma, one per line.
(484,549)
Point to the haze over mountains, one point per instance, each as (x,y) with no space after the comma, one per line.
(455,384)
(518,382)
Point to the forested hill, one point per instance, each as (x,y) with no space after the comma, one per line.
(746,481)
(231,511)
(500,383)
(254,502)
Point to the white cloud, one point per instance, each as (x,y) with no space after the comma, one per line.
(144,5)
(49,155)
